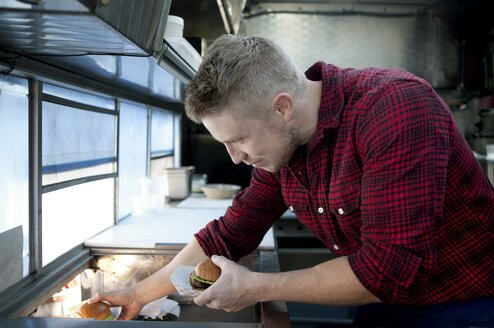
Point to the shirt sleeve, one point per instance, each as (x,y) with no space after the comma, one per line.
(404,142)
(253,212)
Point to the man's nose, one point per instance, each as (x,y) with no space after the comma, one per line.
(237,156)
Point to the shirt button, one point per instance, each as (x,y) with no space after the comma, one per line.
(320,210)
(291,208)
(336,247)
(340,210)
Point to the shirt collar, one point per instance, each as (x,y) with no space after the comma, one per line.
(332,98)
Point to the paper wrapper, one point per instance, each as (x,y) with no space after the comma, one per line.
(160,308)
(180,279)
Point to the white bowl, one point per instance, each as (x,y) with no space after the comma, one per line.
(220,190)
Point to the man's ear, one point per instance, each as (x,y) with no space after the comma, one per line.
(282,104)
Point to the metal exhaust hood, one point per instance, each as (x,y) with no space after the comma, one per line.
(71,27)
(51,28)
(206,20)
(41,28)
(174,63)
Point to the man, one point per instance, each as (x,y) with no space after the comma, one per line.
(371,161)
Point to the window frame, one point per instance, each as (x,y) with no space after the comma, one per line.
(23,297)
(81,106)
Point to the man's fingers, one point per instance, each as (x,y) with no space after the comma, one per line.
(219,260)
(200,300)
(95,298)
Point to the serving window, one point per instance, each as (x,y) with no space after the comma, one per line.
(69,156)
(14,177)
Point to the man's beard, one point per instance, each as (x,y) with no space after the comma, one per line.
(290,141)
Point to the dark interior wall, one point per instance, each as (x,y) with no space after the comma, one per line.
(471,23)
(210,157)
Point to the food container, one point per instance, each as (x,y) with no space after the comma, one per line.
(198,180)
(220,190)
(146,204)
(178,182)
(489,152)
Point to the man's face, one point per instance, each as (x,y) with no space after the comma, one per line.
(265,144)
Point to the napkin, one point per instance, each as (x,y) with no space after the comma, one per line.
(160,308)
(180,279)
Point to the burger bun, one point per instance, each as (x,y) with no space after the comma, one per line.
(98,311)
(204,274)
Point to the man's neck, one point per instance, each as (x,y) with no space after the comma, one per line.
(308,110)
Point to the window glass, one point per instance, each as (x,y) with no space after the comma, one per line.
(161,133)
(76,143)
(167,85)
(132,155)
(74,214)
(137,69)
(79,96)
(14,175)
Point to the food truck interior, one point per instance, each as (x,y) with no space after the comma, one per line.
(92,120)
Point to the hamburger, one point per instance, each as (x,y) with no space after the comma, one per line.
(98,311)
(204,274)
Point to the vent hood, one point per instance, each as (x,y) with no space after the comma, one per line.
(70,27)
(178,55)
(91,27)
(41,28)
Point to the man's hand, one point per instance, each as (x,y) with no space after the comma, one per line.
(125,297)
(233,291)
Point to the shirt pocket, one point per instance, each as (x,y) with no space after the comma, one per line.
(296,200)
(344,205)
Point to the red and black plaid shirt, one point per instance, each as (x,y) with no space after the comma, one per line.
(387,180)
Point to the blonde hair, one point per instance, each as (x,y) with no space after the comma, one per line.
(244,73)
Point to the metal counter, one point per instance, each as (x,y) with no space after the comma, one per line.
(269,314)
(103,272)
(84,323)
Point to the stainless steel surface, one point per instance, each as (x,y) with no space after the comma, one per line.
(269,314)
(25,296)
(142,22)
(169,59)
(74,34)
(232,10)
(71,27)
(191,313)
(136,79)
(35,176)
(83,323)
(112,275)
(209,19)
(350,34)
